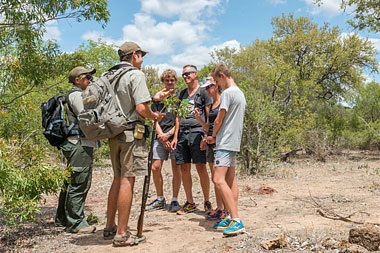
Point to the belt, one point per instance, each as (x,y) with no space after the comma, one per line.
(132,125)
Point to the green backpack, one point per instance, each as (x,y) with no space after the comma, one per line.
(102,116)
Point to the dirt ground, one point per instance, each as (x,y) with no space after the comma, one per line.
(348,184)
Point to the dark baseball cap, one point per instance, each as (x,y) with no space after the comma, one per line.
(130,47)
(77,71)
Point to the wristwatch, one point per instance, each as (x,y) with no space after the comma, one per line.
(170,132)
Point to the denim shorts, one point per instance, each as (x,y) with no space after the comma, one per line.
(161,153)
(189,149)
(225,158)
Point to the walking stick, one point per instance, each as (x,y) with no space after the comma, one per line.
(145,192)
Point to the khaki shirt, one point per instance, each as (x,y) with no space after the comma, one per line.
(75,101)
(131,91)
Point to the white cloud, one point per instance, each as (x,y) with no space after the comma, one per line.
(196,55)
(162,38)
(52,33)
(375,41)
(200,55)
(185,10)
(329,7)
(276,2)
(162,67)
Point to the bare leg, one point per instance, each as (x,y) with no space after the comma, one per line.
(176,182)
(157,176)
(220,182)
(205,180)
(232,183)
(112,202)
(187,181)
(219,199)
(124,204)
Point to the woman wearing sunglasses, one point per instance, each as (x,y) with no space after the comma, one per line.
(214,91)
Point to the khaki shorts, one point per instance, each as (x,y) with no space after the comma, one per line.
(129,156)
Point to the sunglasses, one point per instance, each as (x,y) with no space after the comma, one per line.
(208,87)
(89,77)
(187,73)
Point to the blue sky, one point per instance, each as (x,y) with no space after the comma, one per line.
(177,32)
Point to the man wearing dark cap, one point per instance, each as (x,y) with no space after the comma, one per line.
(129,155)
(79,154)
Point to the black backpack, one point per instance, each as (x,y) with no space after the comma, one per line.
(54,122)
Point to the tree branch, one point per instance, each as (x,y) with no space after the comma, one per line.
(30,90)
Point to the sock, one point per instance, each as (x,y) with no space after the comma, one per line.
(236,219)
(160,198)
(174,199)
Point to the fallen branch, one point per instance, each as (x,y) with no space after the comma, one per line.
(326,213)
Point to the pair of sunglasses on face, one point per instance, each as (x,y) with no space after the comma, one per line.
(211,85)
(87,76)
(187,73)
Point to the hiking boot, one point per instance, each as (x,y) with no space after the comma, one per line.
(187,208)
(214,215)
(87,230)
(222,225)
(174,206)
(208,207)
(156,204)
(234,228)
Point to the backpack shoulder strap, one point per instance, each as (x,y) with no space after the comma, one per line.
(182,93)
(67,99)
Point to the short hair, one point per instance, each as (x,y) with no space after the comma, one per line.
(168,73)
(221,68)
(191,66)
(126,57)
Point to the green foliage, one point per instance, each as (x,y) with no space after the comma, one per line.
(366,13)
(32,71)
(27,62)
(293,83)
(24,177)
(176,106)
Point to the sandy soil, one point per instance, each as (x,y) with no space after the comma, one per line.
(346,184)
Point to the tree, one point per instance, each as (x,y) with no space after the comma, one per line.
(366,13)
(27,62)
(290,80)
(31,71)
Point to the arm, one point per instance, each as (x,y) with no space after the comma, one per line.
(144,110)
(217,125)
(197,114)
(176,130)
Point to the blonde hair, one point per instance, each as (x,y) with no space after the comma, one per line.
(167,74)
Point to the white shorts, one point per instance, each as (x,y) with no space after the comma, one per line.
(225,158)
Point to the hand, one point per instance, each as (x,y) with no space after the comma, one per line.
(163,137)
(211,140)
(163,94)
(197,113)
(203,144)
(166,145)
(174,144)
(159,115)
